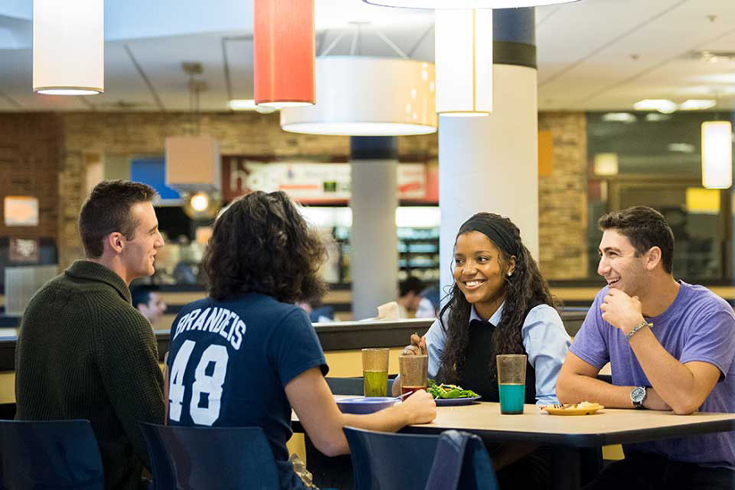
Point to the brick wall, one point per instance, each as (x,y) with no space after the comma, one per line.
(30,155)
(563,198)
(47,155)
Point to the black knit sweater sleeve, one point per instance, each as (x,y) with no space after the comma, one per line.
(127,357)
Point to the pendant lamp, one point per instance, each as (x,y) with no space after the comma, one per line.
(464,63)
(465,4)
(366,96)
(68,47)
(284,51)
(717,154)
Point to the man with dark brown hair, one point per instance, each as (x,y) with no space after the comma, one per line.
(670,345)
(84,352)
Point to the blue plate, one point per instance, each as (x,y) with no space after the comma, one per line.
(363,405)
(446,402)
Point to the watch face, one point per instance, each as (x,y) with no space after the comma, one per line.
(638,394)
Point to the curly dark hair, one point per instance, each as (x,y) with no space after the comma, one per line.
(107,210)
(261,244)
(524,289)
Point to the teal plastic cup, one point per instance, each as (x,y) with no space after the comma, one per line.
(512,382)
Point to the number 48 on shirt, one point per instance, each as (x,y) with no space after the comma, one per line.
(211,384)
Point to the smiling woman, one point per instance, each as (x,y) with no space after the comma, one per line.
(499,304)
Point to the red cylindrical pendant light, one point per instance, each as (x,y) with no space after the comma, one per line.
(283,39)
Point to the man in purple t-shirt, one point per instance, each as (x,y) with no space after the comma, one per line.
(670,345)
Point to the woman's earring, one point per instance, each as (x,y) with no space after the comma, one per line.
(510,274)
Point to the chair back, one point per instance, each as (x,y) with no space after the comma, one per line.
(192,458)
(461,462)
(388,461)
(49,454)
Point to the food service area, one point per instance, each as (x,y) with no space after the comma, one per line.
(369,244)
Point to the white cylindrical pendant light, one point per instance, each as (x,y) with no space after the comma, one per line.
(465,4)
(363,96)
(464,63)
(717,154)
(68,47)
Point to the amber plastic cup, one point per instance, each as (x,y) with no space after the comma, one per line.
(414,373)
(375,371)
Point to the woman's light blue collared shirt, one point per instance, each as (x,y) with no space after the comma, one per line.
(544,338)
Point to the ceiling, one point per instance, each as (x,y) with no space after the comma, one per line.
(592,55)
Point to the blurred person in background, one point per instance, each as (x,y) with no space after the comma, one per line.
(499,304)
(148,302)
(249,353)
(84,352)
(318,313)
(428,303)
(409,296)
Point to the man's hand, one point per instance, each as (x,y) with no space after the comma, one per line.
(621,311)
(417,347)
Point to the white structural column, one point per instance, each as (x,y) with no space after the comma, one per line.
(490,163)
(374,242)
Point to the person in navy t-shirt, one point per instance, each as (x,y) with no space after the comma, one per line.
(670,345)
(245,355)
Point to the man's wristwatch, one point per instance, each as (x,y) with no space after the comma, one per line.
(637,396)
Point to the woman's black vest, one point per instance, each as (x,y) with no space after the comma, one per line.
(477,375)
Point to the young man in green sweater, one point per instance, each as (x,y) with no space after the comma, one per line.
(84,352)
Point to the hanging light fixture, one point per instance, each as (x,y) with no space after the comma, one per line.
(464,63)
(717,154)
(465,4)
(284,51)
(68,47)
(365,96)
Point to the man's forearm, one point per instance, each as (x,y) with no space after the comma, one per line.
(577,388)
(673,381)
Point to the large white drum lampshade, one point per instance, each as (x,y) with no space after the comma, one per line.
(465,4)
(364,96)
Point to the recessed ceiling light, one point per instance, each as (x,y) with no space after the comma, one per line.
(697,104)
(681,147)
(249,105)
(657,117)
(663,106)
(242,104)
(713,56)
(624,117)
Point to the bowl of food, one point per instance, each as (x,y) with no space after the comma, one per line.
(362,405)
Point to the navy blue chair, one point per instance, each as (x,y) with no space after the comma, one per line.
(195,458)
(388,461)
(49,454)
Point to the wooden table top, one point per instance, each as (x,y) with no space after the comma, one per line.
(608,426)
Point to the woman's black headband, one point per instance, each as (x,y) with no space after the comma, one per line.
(495,231)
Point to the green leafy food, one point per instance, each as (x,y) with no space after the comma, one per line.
(449,391)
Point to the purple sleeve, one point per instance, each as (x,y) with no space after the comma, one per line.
(590,343)
(712,340)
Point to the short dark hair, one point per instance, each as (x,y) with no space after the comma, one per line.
(142,294)
(261,244)
(107,210)
(411,284)
(645,228)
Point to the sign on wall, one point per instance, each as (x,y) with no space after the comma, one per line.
(309,183)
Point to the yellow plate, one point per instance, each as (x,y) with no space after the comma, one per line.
(573,409)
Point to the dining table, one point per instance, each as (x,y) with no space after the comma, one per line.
(572,436)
